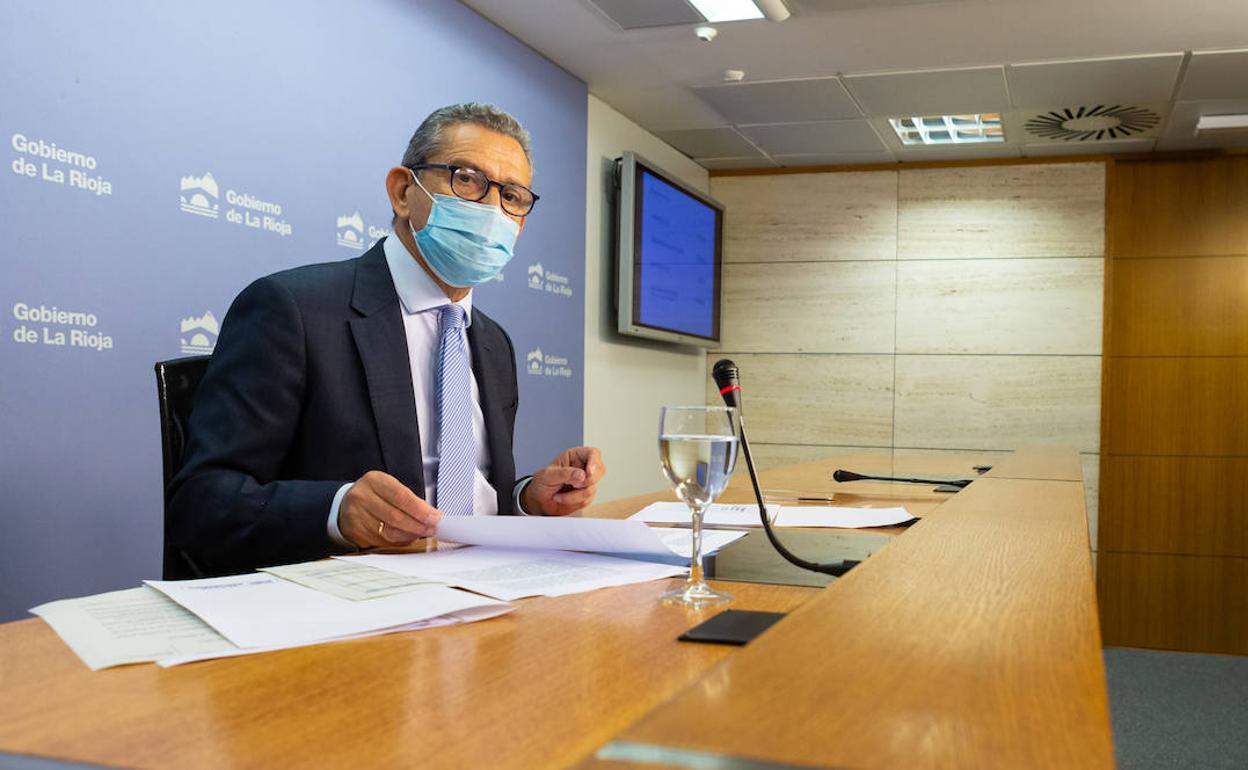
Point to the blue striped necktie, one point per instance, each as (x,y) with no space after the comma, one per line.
(457,451)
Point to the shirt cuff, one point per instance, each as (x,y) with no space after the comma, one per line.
(516,491)
(335,534)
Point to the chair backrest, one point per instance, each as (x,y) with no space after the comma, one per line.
(176,383)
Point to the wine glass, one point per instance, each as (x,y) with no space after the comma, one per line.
(698,447)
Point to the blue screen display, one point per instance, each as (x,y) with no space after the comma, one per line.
(675,273)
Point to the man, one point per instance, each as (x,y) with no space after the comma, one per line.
(344,401)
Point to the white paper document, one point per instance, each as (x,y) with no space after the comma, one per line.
(347,580)
(845,518)
(463,616)
(716,515)
(786,516)
(572,533)
(514,573)
(262,610)
(137,625)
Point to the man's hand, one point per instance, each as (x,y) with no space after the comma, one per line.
(566,485)
(379,511)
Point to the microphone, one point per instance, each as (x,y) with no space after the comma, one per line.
(727,377)
(844,475)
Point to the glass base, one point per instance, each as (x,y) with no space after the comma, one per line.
(695,594)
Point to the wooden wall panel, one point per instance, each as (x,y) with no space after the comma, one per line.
(992,212)
(809,217)
(838,400)
(829,307)
(1181,306)
(1180,208)
(1177,406)
(1176,505)
(1173,523)
(1002,306)
(1193,603)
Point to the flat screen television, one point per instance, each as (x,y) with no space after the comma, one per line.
(669,256)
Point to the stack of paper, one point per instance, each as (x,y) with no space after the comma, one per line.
(787,516)
(174,622)
(611,536)
(514,573)
(513,557)
(178,622)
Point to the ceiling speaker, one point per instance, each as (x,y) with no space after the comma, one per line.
(1098,123)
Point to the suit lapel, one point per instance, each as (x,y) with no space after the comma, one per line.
(381,341)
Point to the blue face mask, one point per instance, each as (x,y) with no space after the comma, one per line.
(465,243)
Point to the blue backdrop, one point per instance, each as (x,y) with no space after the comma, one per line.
(159,157)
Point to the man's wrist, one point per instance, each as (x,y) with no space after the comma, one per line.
(522,487)
(331,527)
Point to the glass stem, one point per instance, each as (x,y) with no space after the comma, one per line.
(695,566)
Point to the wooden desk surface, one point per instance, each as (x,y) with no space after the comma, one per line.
(975,644)
(972,641)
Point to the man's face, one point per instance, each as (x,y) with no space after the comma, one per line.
(496,155)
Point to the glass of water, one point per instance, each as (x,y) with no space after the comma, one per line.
(698,446)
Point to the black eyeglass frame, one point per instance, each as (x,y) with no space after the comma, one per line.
(451,168)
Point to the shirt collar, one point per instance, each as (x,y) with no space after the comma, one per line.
(417,291)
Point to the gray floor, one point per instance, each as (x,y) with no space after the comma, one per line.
(1178,710)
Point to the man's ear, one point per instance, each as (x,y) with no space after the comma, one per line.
(398,180)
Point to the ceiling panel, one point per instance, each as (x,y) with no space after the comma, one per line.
(1180,133)
(661,109)
(815,138)
(1095,81)
(710,143)
(734,163)
(781,101)
(835,159)
(933,92)
(640,14)
(1087,148)
(1216,75)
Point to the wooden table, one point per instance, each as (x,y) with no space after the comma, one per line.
(969,641)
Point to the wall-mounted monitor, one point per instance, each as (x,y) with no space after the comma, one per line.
(669,256)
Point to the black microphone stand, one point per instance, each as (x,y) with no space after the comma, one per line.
(837,569)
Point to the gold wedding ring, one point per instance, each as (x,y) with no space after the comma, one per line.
(380,526)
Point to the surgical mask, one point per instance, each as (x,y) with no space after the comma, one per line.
(465,243)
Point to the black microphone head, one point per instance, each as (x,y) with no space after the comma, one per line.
(728,379)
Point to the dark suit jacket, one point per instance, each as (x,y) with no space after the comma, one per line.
(309,388)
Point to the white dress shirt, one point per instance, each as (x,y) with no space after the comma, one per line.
(421,300)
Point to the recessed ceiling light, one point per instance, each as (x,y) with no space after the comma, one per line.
(727,10)
(1221,124)
(949,129)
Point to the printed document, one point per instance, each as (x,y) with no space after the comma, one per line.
(347,580)
(786,516)
(262,610)
(572,533)
(514,573)
(137,625)
(463,616)
(844,518)
(716,515)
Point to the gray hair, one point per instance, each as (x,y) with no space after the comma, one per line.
(427,140)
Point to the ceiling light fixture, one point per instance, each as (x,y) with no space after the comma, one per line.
(727,10)
(1214,125)
(949,129)
(774,10)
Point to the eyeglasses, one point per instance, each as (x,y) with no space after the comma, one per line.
(472,185)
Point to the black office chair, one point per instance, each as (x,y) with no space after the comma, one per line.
(176,383)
